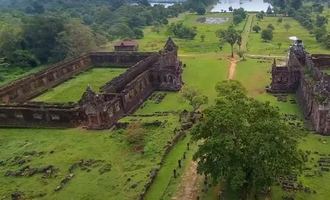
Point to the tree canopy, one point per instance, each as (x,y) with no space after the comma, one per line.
(245,142)
(230,36)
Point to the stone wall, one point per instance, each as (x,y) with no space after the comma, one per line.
(119,97)
(118,59)
(159,71)
(303,74)
(39,115)
(33,85)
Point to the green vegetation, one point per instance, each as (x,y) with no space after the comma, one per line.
(327,71)
(230,36)
(241,141)
(206,65)
(309,14)
(8,74)
(47,32)
(153,40)
(62,148)
(180,31)
(281,35)
(73,89)
(160,188)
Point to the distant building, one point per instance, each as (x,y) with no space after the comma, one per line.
(126,45)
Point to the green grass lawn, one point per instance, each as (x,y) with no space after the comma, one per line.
(154,41)
(255,75)
(203,71)
(72,90)
(62,148)
(257,46)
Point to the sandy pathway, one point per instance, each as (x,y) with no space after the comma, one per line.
(189,187)
(232,68)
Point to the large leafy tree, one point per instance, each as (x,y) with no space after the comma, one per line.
(230,36)
(245,142)
(76,39)
(40,36)
(194,97)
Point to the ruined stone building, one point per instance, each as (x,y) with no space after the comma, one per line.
(308,75)
(126,45)
(146,72)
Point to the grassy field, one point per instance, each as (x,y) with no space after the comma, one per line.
(281,35)
(63,148)
(155,41)
(72,90)
(201,72)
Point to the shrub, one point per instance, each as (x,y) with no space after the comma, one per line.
(135,134)
(181,31)
(267,34)
(256,28)
(23,58)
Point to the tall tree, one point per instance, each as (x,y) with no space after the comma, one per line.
(76,39)
(245,142)
(194,97)
(40,36)
(231,36)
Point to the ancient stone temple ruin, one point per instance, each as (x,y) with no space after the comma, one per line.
(308,75)
(146,72)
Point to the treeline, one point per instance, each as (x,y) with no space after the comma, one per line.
(42,31)
(308,15)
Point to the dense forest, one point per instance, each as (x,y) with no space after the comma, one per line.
(41,31)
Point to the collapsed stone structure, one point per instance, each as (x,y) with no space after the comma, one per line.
(146,73)
(306,74)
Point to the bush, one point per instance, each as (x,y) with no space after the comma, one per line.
(181,31)
(201,11)
(23,58)
(270,26)
(256,28)
(138,33)
(239,15)
(135,134)
(267,34)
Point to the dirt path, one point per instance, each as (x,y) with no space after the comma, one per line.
(245,38)
(246,32)
(189,187)
(232,68)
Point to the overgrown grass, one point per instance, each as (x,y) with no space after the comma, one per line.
(257,46)
(62,148)
(73,89)
(162,183)
(314,178)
